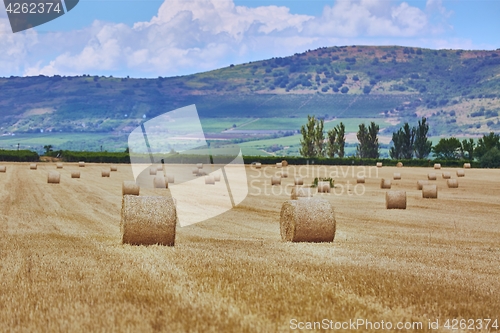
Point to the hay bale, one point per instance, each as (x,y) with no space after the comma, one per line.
(385,183)
(148,220)
(284,174)
(3,168)
(360,180)
(429,191)
(159,168)
(421,183)
(437,166)
(152,171)
(59,165)
(160,182)
(113,168)
(399,165)
(75,174)
(201,172)
(396,176)
(460,173)
(310,220)
(54,177)
(258,165)
(467,166)
(298,181)
(33,166)
(199,165)
(452,183)
(170,179)
(395,200)
(195,171)
(275,181)
(129,187)
(217,177)
(431,176)
(379,164)
(81,164)
(301,192)
(209,180)
(284,163)
(105,173)
(279,165)
(446,175)
(324,187)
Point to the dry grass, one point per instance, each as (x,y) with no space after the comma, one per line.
(63,267)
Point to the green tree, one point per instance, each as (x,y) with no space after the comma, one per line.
(340,130)
(308,137)
(408,136)
(422,144)
(362,147)
(48,149)
(447,148)
(468,147)
(486,143)
(368,146)
(491,159)
(397,141)
(319,138)
(331,143)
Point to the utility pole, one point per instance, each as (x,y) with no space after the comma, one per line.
(18,146)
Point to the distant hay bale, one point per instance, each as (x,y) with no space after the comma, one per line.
(324,187)
(258,165)
(59,165)
(3,168)
(81,164)
(310,220)
(209,180)
(395,200)
(217,177)
(397,176)
(195,171)
(429,191)
(437,166)
(452,183)
(33,166)
(446,175)
(201,172)
(199,165)
(460,173)
(275,181)
(160,182)
(148,220)
(385,183)
(105,173)
(360,180)
(152,171)
(421,183)
(379,164)
(75,174)
(113,168)
(130,187)
(399,165)
(284,163)
(298,181)
(284,174)
(159,168)
(54,177)
(301,192)
(279,165)
(431,176)
(170,179)
(466,165)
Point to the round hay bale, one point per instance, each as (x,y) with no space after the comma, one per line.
(284,174)
(446,175)
(159,168)
(152,171)
(3,168)
(379,164)
(437,166)
(195,171)
(105,173)
(199,165)
(360,180)
(452,183)
(467,166)
(284,163)
(258,165)
(54,177)
(421,183)
(113,168)
(75,174)
(279,165)
(148,220)
(460,173)
(170,179)
(301,192)
(324,187)
(429,191)
(201,172)
(431,176)
(160,182)
(395,200)
(130,187)
(275,181)
(397,176)
(33,166)
(81,164)
(298,181)
(385,183)
(209,180)
(59,165)
(310,220)
(399,165)
(217,178)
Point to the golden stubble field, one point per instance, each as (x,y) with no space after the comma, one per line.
(63,267)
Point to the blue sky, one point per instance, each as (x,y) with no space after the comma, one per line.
(151,38)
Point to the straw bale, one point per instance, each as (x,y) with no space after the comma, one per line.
(130,187)
(395,200)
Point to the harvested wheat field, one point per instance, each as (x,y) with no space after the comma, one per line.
(63,267)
